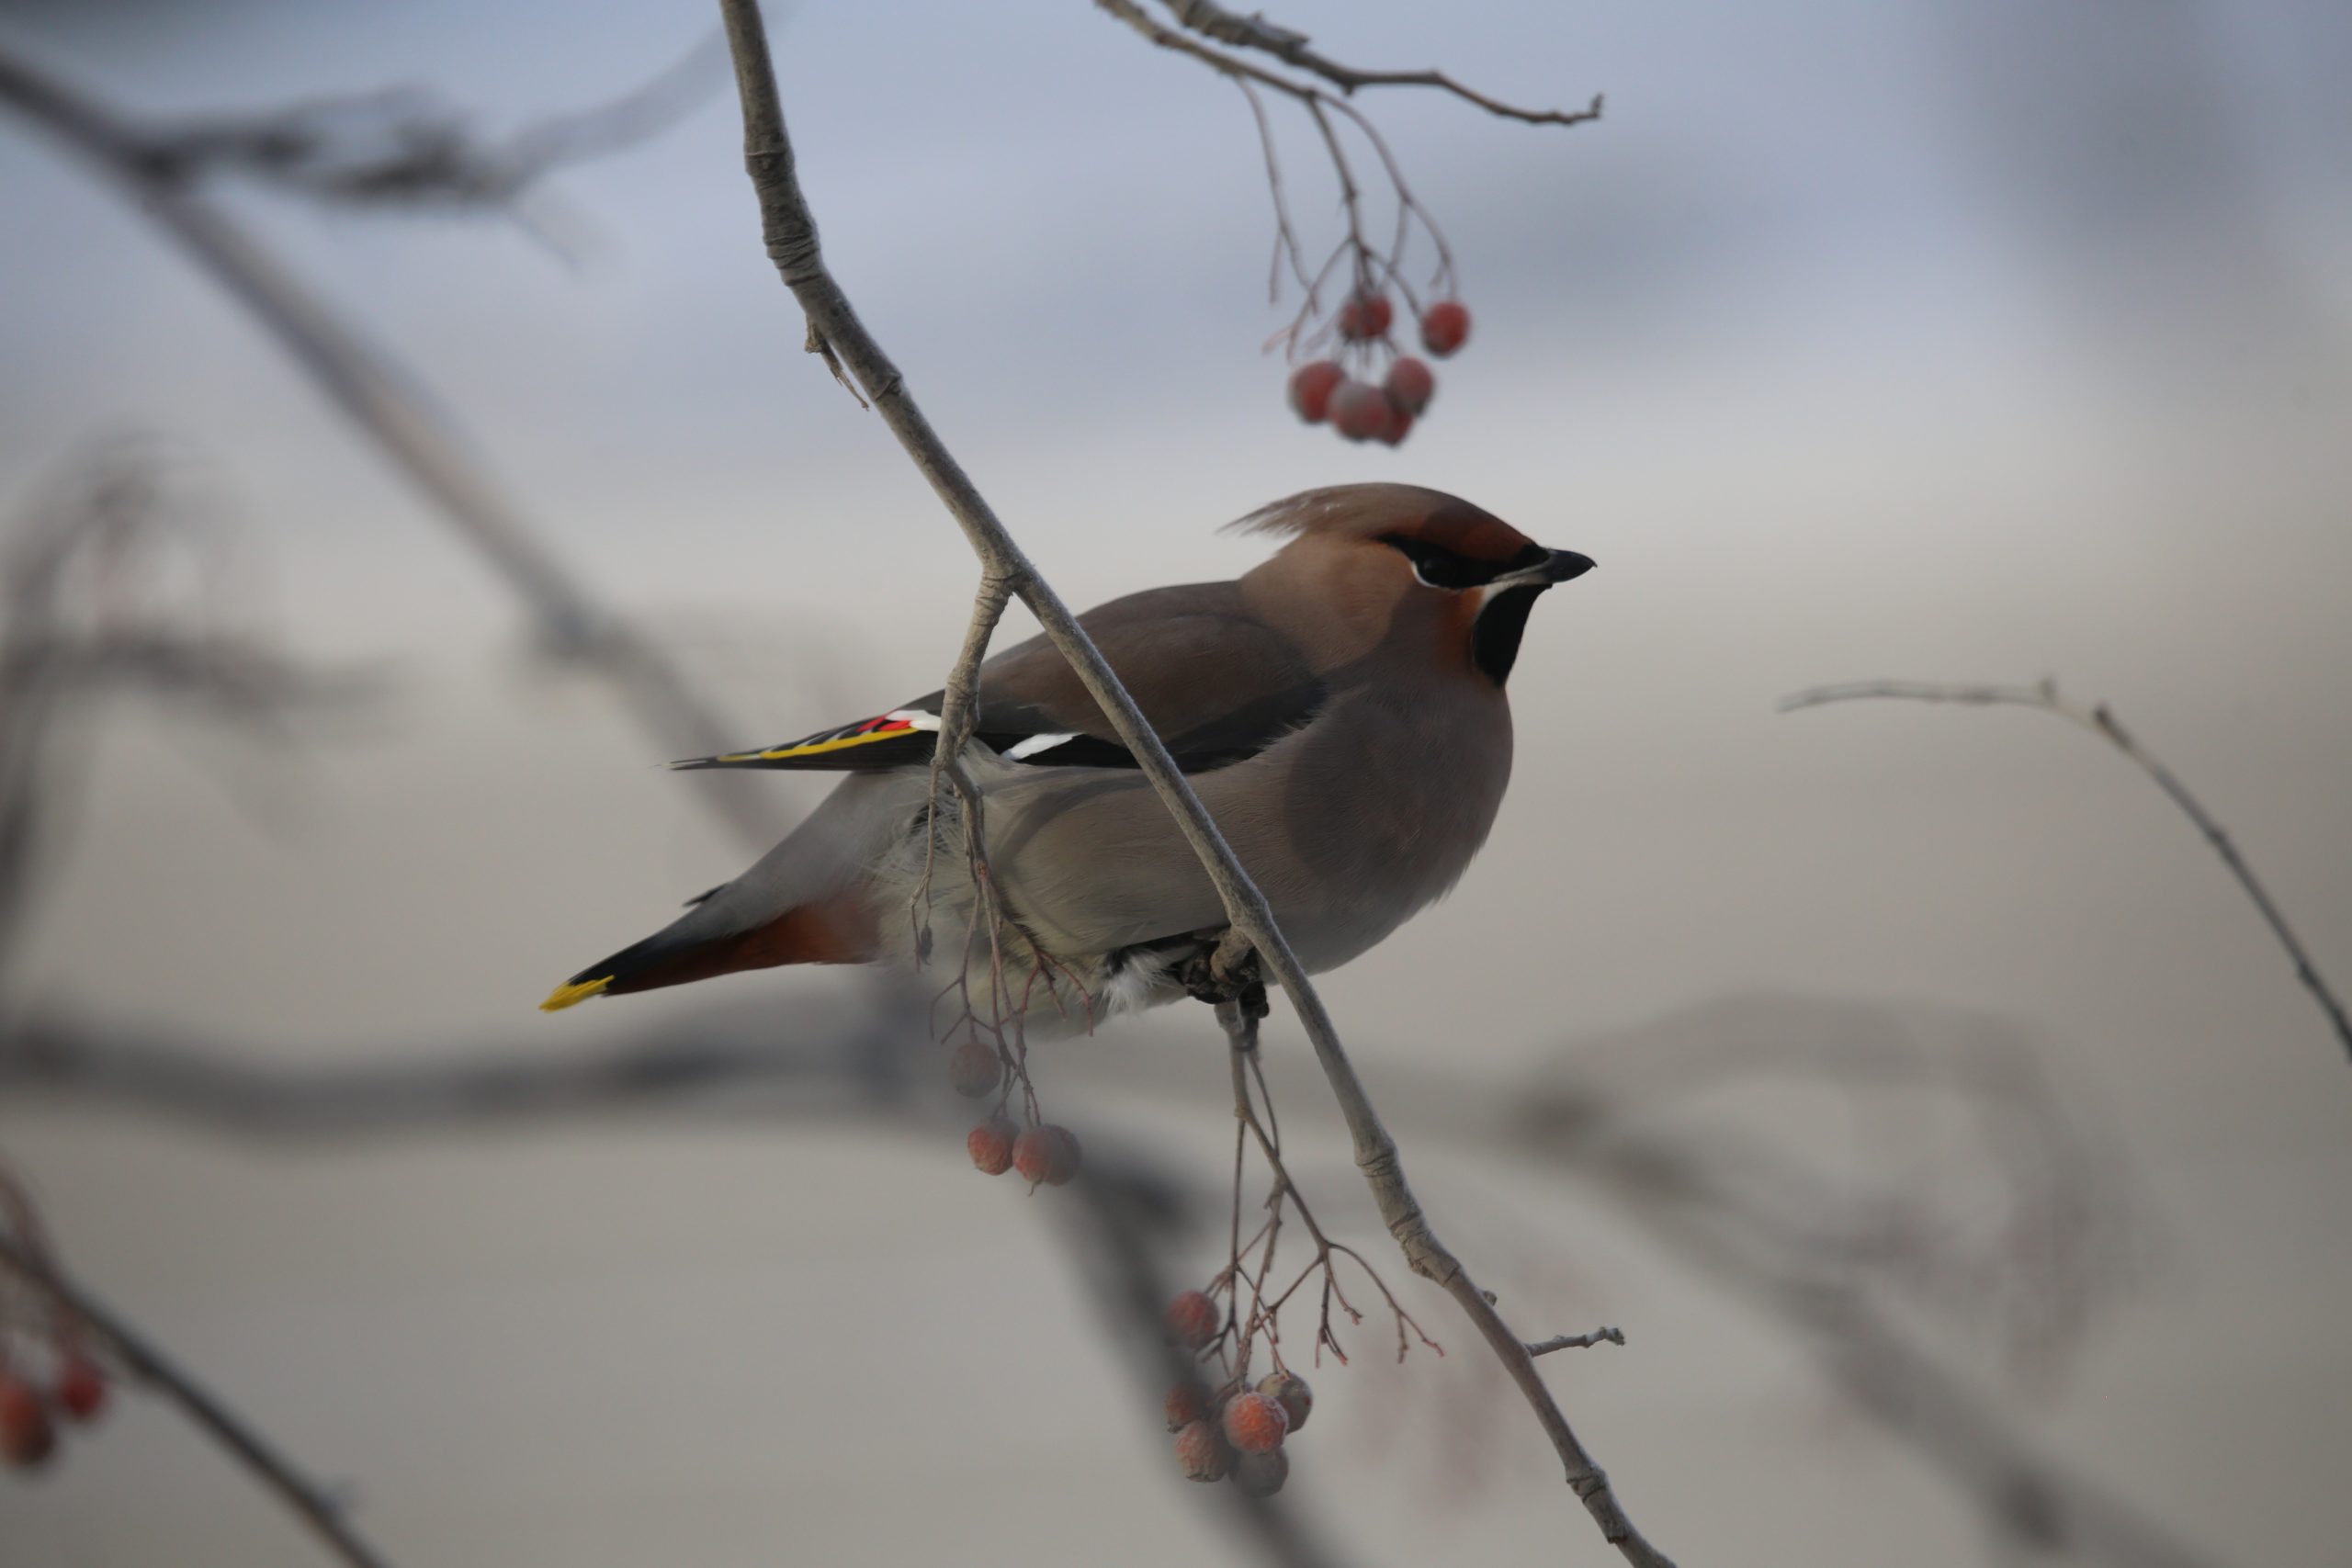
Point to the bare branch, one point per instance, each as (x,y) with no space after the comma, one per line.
(74,625)
(867,1062)
(1578,1341)
(790,231)
(1212,20)
(2097,719)
(404,146)
(1685,1197)
(1722,1204)
(1359,330)
(313,1504)
(381,400)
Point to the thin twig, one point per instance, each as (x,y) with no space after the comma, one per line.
(1687,1198)
(2097,719)
(1238,1018)
(1369,269)
(381,398)
(311,1502)
(1578,1341)
(790,231)
(1212,20)
(386,148)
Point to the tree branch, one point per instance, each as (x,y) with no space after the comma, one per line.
(1212,20)
(791,232)
(2098,720)
(382,401)
(1765,1229)
(313,1504)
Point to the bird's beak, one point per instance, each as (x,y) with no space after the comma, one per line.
(1557,567)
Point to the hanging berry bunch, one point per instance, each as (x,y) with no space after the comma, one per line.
(1363,387)
(49,1377)
(1354,376)
(1390,389)
(1231,1428)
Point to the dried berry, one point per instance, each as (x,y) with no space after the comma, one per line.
(1262,1475)
(1046,1154)
(1255,1423)
(990,1144)
(1359,410)
(1187,1403)
(1193,1320)
(975,1069)
(1201,1450)
(81,1389)
(1311,387)
(1290,1391)
(27,1436)
(1411,384)
(1446,327)
(1400,420)
(1365,316)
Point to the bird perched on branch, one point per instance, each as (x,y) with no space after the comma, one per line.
(1340,710)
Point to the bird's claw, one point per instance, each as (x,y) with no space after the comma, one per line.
(1234,979)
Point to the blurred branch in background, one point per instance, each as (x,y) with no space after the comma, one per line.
(163,171)
(89,610)
(407,147)
(2097,719)
(1252,939)
(868,1064)
(25,1260)
(2015,1240)
(1869,1275)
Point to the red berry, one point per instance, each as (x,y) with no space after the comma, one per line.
(1187,1403)
(1290,1391)
(1400,420)
(81,1389)
(1310,389)
(1046,1154)
(27,1437)
(1410,384)
(1446,326)
(1262,1475)
(1365,316)
(990,1144)
(1255,1423)
(1193,1320)
(975,1069)
(1361,410)
(1200,1449)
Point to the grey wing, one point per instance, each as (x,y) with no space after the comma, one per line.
(1218,684)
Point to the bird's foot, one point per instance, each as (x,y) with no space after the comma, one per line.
(1227,971)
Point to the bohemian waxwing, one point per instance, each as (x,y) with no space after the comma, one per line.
(1339,709)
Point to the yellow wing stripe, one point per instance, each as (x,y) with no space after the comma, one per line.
(565,995)
(815,749)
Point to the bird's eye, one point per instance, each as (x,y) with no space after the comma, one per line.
(1441,568)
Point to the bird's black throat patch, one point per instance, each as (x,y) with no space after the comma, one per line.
(1494,641)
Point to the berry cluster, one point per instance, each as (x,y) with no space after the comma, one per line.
(1360,409)
(28,1414)
(1232,1431)
(1043,1153)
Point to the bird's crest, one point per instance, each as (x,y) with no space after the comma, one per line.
(1390,512)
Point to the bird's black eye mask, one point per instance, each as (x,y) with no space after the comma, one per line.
(1441,568)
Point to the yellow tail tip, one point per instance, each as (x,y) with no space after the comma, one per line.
(564,996)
